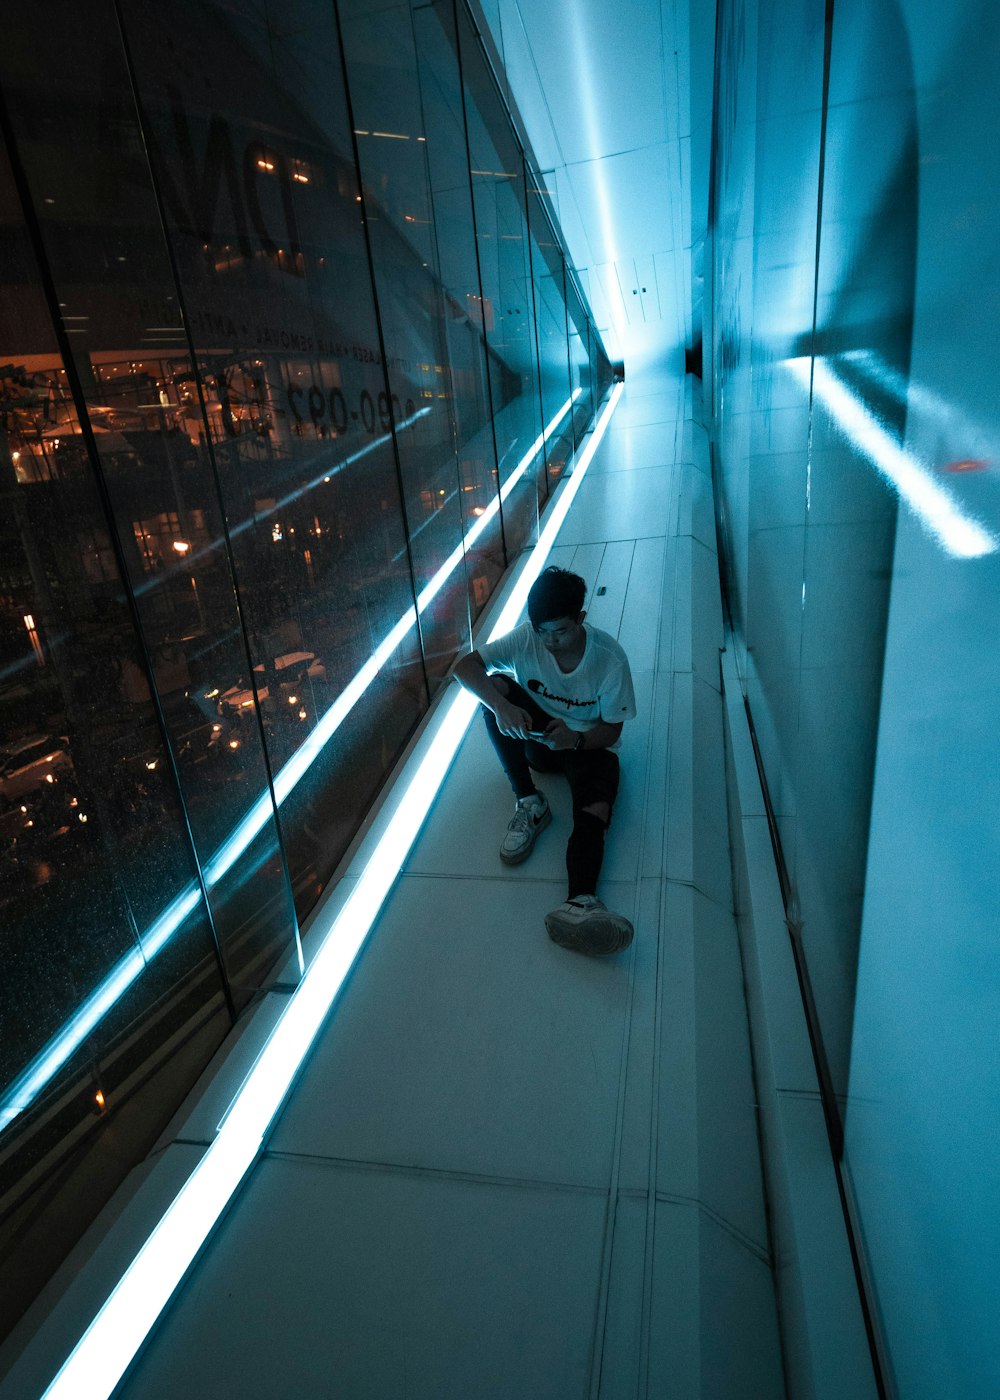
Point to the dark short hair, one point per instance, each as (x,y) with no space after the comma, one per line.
(555,593)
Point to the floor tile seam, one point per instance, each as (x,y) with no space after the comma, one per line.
(639,149)
(664,427)
(663,685)
(600,1331)
(626,425)
(694,670)
(680,882)
(414,1170)
(623,539)
(696,676)
(663,678)
(654,1110)
(680,534)
(677,883)
(617,539)
(755,1247)
(512,881)
(600,470)
(664,384)
(635,471)
(715,689)
(636,399)
(706,547)
(726,906)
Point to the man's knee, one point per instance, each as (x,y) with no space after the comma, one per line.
(602,810)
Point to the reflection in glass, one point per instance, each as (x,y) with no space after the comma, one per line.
(581,376)
(94,840)
(276,275)
(410,146)
(253,507)
(500,204)
(551,323)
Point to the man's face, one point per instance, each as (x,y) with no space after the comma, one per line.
(563,636)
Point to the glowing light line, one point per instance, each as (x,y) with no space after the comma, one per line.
(327,474)
(32,1080)
(104,1352)
(39,1071)
(928,499)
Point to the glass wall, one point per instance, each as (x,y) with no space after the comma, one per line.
(854,387)
(809,523)
(551,321)
(499,192)
(580,372)
(272,404)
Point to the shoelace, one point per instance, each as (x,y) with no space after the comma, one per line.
(523,818)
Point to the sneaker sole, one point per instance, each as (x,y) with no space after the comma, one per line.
(598,937)
(523,855)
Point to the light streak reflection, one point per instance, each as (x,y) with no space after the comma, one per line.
(26,1087)
(107,1347)
(935,506)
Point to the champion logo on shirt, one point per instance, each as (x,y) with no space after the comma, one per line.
(540,688)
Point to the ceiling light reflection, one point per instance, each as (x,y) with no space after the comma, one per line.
(929,500)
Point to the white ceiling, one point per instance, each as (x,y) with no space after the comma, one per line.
(603,90)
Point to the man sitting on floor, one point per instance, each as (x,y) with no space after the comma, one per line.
(555,695)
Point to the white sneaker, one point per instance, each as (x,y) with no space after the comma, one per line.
(584,925)
(531,816)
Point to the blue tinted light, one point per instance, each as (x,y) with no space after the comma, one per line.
(930,501)
(100,1358)
(37,1074)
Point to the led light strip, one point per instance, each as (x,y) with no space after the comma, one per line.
(23,1090)
(929,499)
(103,1354)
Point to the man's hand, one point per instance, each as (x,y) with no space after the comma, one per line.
(559,736)
(511,719)
(492,691)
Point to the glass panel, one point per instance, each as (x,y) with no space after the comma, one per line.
(553,349)
(812,524)
(579,359)
(817,413)
(262,207)
(864,329)
(217,469)
(433,342)
(498,188)
(600,367)
(474,365)
(111,999)
(918,210)
(119,303)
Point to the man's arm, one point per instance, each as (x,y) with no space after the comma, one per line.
(471,672)
(600,735)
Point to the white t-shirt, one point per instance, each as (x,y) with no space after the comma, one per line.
(598,688)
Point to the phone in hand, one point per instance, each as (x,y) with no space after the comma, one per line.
(537,734)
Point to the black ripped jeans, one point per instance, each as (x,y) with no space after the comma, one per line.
(592,776)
